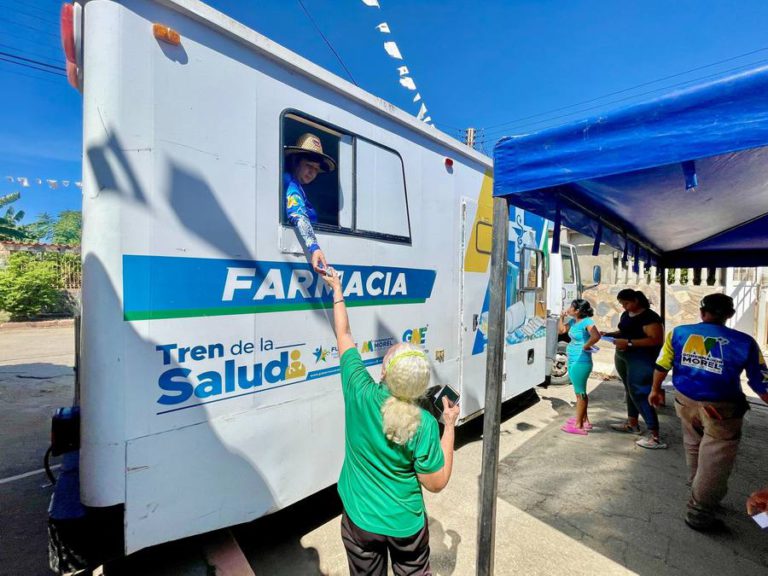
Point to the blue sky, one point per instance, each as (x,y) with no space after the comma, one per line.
(506,66)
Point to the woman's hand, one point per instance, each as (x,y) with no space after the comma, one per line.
(331,277)
(756,503)
(450,412)
(318,261)
(621,344)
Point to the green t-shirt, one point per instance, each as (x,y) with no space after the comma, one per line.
(378,483)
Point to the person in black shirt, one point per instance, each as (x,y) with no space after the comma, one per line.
(638,342)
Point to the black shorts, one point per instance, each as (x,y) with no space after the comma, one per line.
(367,552)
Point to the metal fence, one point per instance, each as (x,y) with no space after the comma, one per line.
(65,260)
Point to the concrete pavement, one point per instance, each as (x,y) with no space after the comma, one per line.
(36,377)
(567,505)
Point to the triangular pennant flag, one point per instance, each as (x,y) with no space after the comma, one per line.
(9,178)
(39,181)
(417,97)
(65,183)
(393,50)
(79,184)
(23,181)
(52,184)
(422,111)
(428,119)
(383,28)
(403,70)
(408,82)
(372,3)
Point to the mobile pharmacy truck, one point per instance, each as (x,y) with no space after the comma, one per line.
(209,390)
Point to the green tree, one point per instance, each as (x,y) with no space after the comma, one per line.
(41,230)
(66,229)
(10,222)
(28,286)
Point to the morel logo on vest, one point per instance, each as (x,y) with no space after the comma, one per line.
(704,353)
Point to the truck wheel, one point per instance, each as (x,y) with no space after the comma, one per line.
(560,366)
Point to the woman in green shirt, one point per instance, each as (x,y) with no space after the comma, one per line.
(392,449)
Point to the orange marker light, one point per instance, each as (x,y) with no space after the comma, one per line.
(166,34)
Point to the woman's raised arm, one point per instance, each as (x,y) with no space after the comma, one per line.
(344,339)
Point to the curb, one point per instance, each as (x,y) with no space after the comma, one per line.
(37,324)
(605,370)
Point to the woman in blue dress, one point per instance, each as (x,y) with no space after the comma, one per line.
(577,321)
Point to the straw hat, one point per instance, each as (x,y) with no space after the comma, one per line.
(310,144)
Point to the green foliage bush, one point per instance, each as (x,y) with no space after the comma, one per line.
(29,286)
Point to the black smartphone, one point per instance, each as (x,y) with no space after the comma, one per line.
(448,392)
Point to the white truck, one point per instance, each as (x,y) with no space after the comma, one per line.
(209,387)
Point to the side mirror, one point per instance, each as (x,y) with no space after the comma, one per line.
(597,274)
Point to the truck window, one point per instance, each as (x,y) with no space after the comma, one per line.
(568,276)
(531,277)
(532,282)
(365,195)
(324,193)
(380,199)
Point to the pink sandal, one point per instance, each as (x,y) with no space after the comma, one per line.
(587,425)
(572,429)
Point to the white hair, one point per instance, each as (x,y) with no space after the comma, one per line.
(406,375)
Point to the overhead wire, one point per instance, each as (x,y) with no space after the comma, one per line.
(495,133)
(328,42)
(24,39)
(14,5)
(33,76)
(17,10)
(25,65)
(28,27)
(641,85)
(32,61)
(27,53)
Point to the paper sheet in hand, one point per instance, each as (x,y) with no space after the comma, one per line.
(761,519)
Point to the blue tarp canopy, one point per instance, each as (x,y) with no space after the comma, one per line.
(678,181)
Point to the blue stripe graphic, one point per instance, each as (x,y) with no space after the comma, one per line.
(161,286)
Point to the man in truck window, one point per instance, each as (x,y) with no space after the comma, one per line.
(303,162)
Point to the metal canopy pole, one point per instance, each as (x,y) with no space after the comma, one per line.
(663,293)
(493,374)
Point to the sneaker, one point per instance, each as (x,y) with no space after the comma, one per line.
(627,428)
(587,425)
(651,443)
(573,429)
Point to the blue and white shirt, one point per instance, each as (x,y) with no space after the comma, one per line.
(300,212)
(707,360)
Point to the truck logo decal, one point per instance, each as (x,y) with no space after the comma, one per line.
(157,287)
(184,387)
